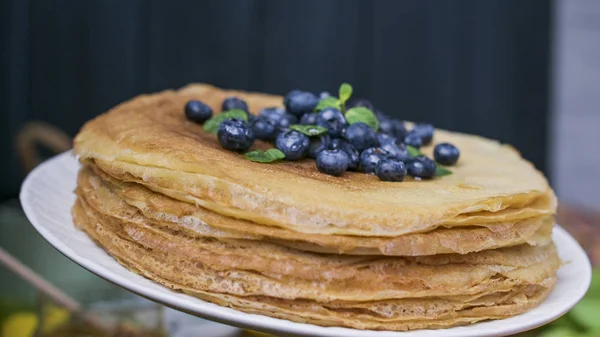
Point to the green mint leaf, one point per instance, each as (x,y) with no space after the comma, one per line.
(441,171)
(364,115)
(413,151)
(345,93)
(268,156)
(328,102)
(212,125)
(309,130)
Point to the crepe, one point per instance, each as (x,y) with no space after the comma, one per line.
(148,140)
(366,292)
(113,197)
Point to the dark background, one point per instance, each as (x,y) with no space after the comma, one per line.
(478,66)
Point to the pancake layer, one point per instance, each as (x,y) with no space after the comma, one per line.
(114,197)
(148,140)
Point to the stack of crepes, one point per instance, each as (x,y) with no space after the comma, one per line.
(163,197)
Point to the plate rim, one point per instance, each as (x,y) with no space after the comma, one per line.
(274,325)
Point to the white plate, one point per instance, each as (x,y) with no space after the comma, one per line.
(47,197)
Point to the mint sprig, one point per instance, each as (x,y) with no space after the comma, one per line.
(309,130)
(328,102)
(364,115)
(344,93)
(441,171)
(212,125)
(413,151)
(268,156)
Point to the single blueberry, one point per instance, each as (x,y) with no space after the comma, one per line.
(279,117)
(299,103)
(272,112)
(392,127)
(425,131)
(289,95)
(421,167)
(235,135)
(317,144)
(233,102)
(333,162)
(197,111)
(353,154)
(324,94)
(293,144)
(370,157)
(309,118)
(286,120)
(385,138)
(396,151)
(386,126)
(414,140)
(363,102)
(333,120)
(390,169)
(263,128)
(399,129)
(446,154)
(361,136)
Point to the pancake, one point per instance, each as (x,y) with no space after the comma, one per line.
(113,197)
(391,293)
(148,140)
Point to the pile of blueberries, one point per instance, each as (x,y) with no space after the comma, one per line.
(388,153)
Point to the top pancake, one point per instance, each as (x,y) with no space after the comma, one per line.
(148,140)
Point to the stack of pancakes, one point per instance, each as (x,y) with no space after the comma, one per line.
(281,239)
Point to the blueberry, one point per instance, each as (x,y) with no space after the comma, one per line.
(425,131)
(396,151)
(390,169)
(317,144)
(333,120)
(370,157)
(361,102)
(446,154)
(263,128)
(399,129)
(293,144)
(286,120)
(235,135)
(353,154)
(413,140)
(361,136)
(333,162)
(421,166)
(309,118)
(392,127)
(233,102)
(279,117)
(324,94)
(300,102)
(384,138)
(197,111)
(386,126)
